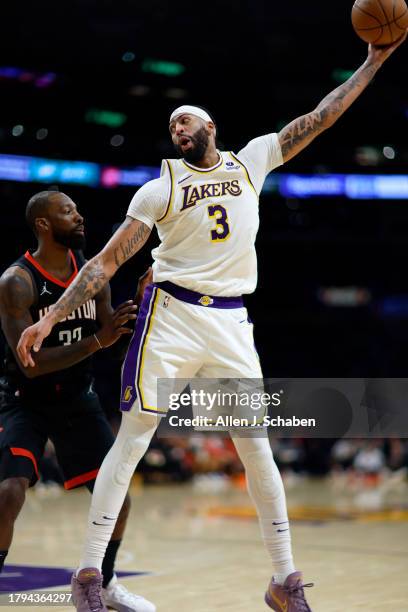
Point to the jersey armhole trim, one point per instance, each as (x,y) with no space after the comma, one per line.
(171,194)
(246,171)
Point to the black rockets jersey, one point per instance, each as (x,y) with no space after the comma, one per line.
(79,324)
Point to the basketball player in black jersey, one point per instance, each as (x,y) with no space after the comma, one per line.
(55,399)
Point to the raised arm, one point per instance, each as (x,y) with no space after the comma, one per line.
(298,134)
(127,240)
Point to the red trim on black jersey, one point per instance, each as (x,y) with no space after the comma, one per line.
(79,480)
(49,276)
(23,452)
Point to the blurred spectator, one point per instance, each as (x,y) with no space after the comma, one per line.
(343,453)
(370,459)
(397,453)
(289,454)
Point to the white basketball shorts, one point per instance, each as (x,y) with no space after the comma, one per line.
(182,334)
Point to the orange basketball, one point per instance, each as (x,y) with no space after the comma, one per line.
(380,22)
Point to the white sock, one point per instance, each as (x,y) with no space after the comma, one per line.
(265,487)
(113,482)
(276,536)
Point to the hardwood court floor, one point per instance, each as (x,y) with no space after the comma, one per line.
(205,554)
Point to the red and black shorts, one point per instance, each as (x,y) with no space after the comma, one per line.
(77,427)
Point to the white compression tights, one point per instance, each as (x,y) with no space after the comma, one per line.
(113,482)
(265,487)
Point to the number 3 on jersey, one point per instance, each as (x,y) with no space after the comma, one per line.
(222,230)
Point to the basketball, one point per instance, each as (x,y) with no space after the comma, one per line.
(380,22)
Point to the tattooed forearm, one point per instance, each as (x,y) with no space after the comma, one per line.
(341,98)
(129,246)
(302,131)
(89,281)
(127,240)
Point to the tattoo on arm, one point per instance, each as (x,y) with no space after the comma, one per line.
(338,100)
(129,239)
(130,246)
(16,295)
(303,128)
(300,132)
(16,298)
(89,281)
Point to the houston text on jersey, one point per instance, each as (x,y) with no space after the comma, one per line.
(86,311)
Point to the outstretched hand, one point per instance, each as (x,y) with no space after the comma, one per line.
(114,328)
(32,338)
(380,54)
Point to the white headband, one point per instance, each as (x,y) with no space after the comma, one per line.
(190,110)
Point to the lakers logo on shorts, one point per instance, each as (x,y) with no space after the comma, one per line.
(127,396)
(206,300)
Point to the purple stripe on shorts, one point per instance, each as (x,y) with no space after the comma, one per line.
(200,299)
(128,393)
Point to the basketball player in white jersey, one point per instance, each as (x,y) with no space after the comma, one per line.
(192,321)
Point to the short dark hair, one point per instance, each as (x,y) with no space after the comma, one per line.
(37,207)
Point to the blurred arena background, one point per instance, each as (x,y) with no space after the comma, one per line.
(86,90)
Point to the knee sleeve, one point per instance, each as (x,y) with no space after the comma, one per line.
(131,444)
(131,453)
(264,480)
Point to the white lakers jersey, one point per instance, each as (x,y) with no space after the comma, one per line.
(207,219)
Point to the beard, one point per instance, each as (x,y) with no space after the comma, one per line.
(71,240)
(199,141)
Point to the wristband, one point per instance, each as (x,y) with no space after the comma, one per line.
(97,339)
